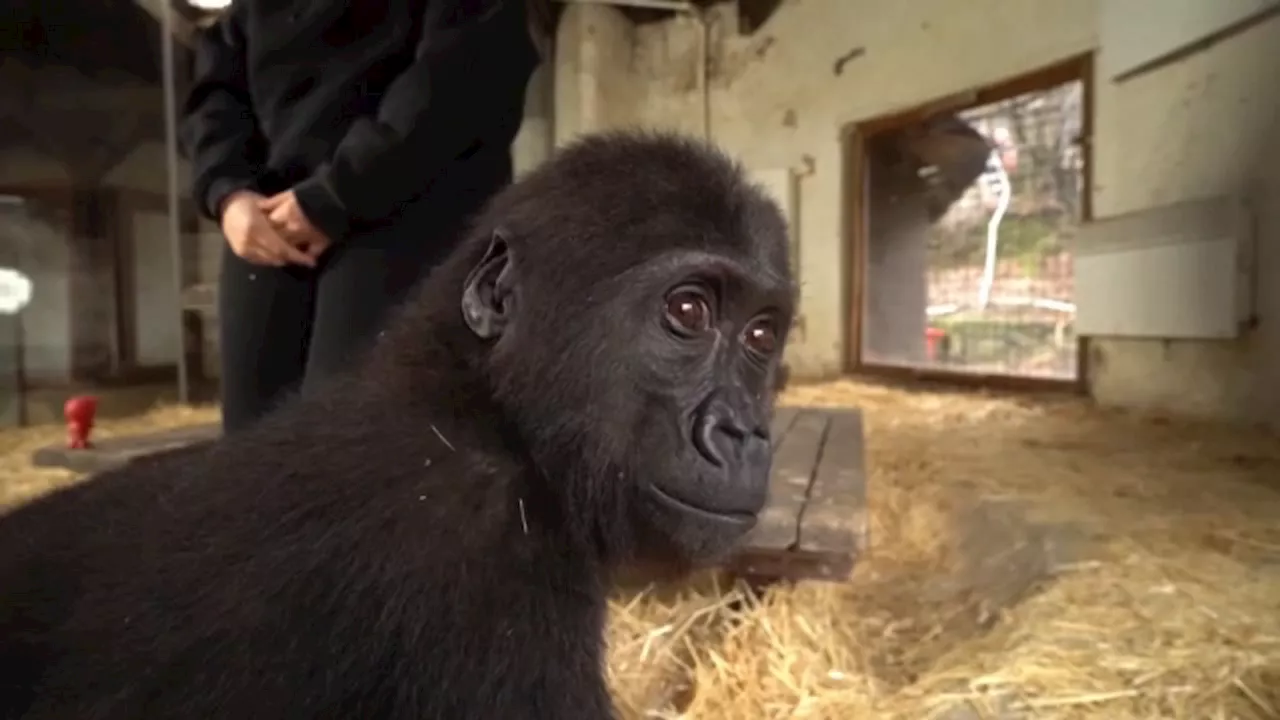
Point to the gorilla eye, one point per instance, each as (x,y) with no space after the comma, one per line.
(761,337)
(688,311)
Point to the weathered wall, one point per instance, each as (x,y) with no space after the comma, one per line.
(46,258)
(777,100)
(34,242)
(1206,125)
(536,139)
(37,245)
(595,86)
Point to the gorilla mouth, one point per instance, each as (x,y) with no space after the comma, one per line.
(735,517)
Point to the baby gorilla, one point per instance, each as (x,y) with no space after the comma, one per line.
(586,383)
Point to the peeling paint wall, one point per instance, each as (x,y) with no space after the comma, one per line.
(1206,125)
(596,87)
(536,139)
(783,96)
(42,250)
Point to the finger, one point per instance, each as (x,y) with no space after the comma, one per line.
(267,242)
(270,253)
(297,237)
(268,234)
(308,235)
(279,215)
(268,204)
(316,249)
(289,253)
(292,228)
(255,255)
(244,250)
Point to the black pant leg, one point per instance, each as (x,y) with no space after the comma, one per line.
(265,317)
(362,280)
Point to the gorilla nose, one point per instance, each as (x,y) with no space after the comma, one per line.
(722,438)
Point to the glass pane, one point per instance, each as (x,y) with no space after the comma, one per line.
(970,220)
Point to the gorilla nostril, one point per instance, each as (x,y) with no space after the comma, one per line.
(733,431)
(717,440)
(704,440)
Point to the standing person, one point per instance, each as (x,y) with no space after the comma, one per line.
(340,146)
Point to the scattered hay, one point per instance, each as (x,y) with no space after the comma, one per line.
(20,481)
(1166,604)
(1137,576)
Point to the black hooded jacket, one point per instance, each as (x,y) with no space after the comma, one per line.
(375,113)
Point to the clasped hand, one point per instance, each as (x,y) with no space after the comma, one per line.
(271,231)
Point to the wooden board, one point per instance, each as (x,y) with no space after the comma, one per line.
(815,524)
(797,439)
(113,452)
(814,527)
(833,523)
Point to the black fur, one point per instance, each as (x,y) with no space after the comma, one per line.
(431,536)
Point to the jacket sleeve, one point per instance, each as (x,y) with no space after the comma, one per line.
(219,131)
(471,57)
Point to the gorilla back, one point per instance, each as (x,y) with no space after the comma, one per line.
(586,382)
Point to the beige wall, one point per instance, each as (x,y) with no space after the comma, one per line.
(34,242)
(777,101)
(536,139)
(45,258)
(1201,126)
(43,255)
(594,87)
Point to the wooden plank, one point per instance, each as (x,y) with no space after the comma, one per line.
(793,463)
(777,530)
(751,560)
(113,452)
(833,523)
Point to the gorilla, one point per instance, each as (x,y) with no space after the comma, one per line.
(586,382)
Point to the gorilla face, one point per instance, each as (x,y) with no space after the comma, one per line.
(709,346)
(639,360)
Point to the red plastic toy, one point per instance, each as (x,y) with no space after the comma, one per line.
(79,412)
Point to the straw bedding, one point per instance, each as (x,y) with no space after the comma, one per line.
(1030,559)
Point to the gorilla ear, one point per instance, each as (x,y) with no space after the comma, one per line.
(487,297)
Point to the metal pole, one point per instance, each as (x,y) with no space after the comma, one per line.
(175,207)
